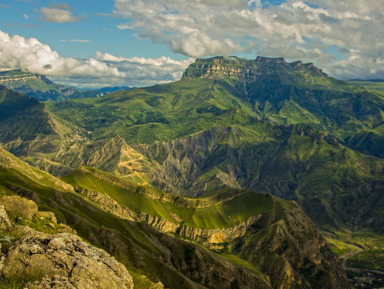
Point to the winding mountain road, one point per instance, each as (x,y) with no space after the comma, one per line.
(345,258)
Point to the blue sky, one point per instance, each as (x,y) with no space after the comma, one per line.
(142,42)
(101,31)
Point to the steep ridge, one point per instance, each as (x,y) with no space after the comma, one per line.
(287,250)
(293,162)
(216,223)
(25,124)
(37,86)
(30,131)
(290,93)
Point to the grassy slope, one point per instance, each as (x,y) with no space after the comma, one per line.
(237,206)
(316,172)
(131,243)
(225,209)
(368,242)
(153,114)
(140,247)
(287,94)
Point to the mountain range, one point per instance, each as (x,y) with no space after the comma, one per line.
(229,128)
(41,88)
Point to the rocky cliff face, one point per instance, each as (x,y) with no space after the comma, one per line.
(245,70)
(281,160)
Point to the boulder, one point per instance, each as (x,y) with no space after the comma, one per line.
(48,215)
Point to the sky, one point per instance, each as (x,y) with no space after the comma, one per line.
(95,43)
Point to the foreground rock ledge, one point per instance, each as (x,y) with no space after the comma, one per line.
(65,261)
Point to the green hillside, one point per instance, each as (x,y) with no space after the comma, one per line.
(228,125)
(277,92)
(209,212)
(283,260)
(264,124)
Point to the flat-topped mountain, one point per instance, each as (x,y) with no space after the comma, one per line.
(248,70)
(37,86)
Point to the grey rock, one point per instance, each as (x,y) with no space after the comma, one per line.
(64,258)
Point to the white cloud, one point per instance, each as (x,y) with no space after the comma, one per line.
(17,52)
(80,40)
(141,71)
(306,30)
(57,13)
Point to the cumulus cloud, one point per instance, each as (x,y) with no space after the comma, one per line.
(307,30)
(147,71)
(57,13)
(17,52)
(32,55)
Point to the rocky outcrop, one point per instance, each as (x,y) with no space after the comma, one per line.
(63,259)
(64,256)
(211,237)
(4,80)
(241,69)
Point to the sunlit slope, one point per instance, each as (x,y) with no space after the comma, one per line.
(292,162)
(232,222)
(283,241)
(264,124)
(218,210)
(138,246)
